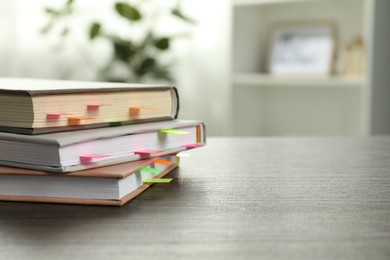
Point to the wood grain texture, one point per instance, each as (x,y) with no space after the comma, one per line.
(243,198)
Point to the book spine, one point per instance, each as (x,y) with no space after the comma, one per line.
(175,102)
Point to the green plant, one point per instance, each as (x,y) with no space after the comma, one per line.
(140,57)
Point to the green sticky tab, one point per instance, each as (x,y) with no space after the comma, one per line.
(162,180)
(115,123)
(174,131)
(151,170)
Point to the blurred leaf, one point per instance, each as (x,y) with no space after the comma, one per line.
(116,79)
(162,43)
(161,73)
(146,66)
(65,32)
(69,2)
(94,30)
(148,40)
(52,11)
(67,11)
(124,50)
(47,28)
(128,11)
(177,12)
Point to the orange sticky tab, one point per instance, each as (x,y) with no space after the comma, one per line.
(163,162)
(75,120)
(89,157)
(53,116)
(134,110)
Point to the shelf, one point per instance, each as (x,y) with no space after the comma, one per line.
(257,79)
(269,104)
(267,2)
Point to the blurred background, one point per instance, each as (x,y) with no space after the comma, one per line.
(245,67)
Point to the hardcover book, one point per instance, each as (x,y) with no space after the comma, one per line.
(32,106)
(111,185)
(92,148)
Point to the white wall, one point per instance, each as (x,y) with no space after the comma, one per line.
(204,66)
(201,60)
(380,109)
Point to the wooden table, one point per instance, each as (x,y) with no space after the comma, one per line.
(243,198)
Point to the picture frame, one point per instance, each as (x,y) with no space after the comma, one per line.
(302,49)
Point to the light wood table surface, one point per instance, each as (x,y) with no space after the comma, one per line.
(237,198)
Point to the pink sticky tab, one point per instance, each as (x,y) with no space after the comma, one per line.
(93,106)
(52,116)
(89,157)
(190,146)
(147,152)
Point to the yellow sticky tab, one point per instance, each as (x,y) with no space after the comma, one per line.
(162,180)
(163,162)
(177,160)
(174,131)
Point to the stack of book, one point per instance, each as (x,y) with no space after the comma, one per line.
(88,142)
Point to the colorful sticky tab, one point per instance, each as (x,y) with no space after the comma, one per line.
(147,152)
(174,131)
(52,116)
(161,180)
(134,110)
(75,120)
(93,106)
(159,161)
(190,146)
(151,170)
(87,158)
